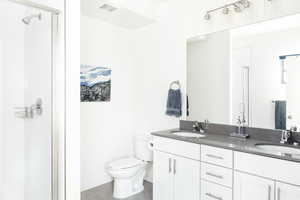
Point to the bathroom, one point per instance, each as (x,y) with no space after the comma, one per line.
(177,99)
(220,59)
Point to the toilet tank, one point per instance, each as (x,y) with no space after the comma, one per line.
(141,148)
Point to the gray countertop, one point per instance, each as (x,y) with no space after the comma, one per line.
(227,142)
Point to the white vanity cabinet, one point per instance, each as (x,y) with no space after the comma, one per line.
(211,191)
(216,173)
(184,170)
(162,176)
(280,177)
(249,187)
(287,192)
(176,177)
(186,178)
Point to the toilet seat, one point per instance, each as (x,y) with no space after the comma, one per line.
(125,163)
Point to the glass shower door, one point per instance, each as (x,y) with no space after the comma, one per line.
(25,103)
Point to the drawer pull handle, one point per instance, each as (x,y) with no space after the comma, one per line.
(214,156)
(278,194)
(213,196)
(214,175)
(170,165)
(174,166)
(269,192)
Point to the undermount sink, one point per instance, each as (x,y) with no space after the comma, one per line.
(279,149)
(188,134)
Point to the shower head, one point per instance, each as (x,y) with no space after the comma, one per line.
(27,20)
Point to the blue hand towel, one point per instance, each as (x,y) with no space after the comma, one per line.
(280,115)
(174,103)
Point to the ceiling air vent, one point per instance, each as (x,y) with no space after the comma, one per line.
(108,7)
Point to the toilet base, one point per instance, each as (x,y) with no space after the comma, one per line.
(125,188)
(128,181)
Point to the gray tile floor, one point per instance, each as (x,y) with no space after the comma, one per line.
(104,192)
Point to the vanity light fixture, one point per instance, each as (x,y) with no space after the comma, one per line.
(225,11)
(245,3)
(207,16)
(108,7)
(238,7)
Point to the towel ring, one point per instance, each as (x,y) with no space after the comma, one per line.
(175,83)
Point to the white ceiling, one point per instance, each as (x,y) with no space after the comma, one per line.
(128,15)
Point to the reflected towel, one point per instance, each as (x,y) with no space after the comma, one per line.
(280,115)
(174,103)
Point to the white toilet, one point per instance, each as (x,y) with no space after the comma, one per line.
(129,173)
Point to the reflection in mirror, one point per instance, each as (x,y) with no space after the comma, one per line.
(251,73)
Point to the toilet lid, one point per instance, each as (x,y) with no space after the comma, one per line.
(125,163)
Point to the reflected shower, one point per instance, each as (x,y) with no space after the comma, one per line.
(27,20)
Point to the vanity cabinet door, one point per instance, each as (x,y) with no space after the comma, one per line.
(162,176)
(186,178)
(287,192)
(248,187)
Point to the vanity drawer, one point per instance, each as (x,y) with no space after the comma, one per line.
(181,148)
(211,191)
(272,168)
(217,156)
(216,174)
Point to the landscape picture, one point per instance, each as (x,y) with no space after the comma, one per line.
(95,83)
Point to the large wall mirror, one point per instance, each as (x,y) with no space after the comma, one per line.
(250,72)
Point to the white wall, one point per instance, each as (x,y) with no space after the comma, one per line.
(72,143)
(159,60)
(140,84)
(160,51)
(106,127)
(208,78)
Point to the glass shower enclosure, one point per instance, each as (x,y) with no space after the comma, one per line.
(28,149)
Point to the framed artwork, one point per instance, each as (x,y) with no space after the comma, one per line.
(95,83)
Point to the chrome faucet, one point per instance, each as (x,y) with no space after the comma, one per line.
(205,124)
(288,138)
(285,136)
(197,126)
(200,127)
(240,133)
(240,124)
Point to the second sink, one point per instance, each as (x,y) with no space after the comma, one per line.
(279,149)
